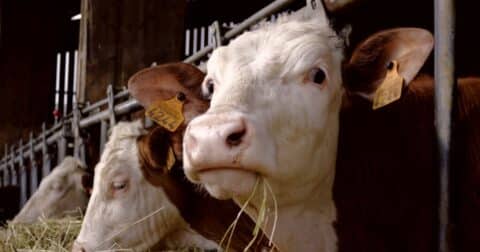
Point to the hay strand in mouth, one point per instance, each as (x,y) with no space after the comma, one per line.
(275,218)
(231,228)
(260,218)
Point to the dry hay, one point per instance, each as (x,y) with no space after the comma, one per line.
(48,235)
(44,235)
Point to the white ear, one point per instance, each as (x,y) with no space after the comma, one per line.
(316,9)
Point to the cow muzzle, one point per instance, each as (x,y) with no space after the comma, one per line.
(216,152)
(77,247)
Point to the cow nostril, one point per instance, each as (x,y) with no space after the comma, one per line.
(236,138)
(78,248)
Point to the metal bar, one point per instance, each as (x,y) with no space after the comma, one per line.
(22,173)
(98,104)
(268,10)
(120,109)
(75,77)
(57,87)
(65,87)
(62,145)
(111,105)
(33,166)
(187,42)
(103,135)
(13,172)
(46,162)
(6,174)
(444,84)
(195,38)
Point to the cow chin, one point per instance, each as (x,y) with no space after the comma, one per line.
(228,183)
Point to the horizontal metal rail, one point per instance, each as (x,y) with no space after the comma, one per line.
(252,20)
(103,102)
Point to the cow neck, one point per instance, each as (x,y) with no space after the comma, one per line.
(305,227)
(306,223)
(206,215)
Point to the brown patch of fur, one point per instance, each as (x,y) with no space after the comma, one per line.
(208,216)
(386,186)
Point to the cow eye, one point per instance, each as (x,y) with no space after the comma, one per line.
(317,76)
(117,186)
(208,89)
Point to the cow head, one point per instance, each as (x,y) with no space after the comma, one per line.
(129,206)
(276,94)
(60,193)
(125,210)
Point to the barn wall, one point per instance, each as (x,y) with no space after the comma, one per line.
(126,36)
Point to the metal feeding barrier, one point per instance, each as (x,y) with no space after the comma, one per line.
(13,168)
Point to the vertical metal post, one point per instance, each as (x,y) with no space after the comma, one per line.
(62,144)
(22,173)
(46,162)
(78,145)
(187,42)
(13,172)
(202,37)
(111,105)
(57,88)
(66,83)
(444,84)
(6,173)
(216,35)
(103,135)
(33,166)
(195,42)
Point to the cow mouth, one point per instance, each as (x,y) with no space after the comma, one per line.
(228,182)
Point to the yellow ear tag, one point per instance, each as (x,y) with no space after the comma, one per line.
(167,114)
(170,159)
(391,88)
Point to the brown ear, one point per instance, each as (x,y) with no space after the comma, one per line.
(153,151)
(368,65)
(164,82)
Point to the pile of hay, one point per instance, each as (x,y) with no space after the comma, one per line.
(45,235)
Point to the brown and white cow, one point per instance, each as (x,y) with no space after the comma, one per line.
(60,193)
(276,95)
(125,210)
(132,181)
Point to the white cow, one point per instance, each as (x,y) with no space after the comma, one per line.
(276,94)
(60,193)
(125,210)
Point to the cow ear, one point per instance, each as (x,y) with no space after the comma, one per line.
(155,154)
(164,82)
(370,61)
(87,183)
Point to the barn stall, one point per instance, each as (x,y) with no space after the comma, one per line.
(108,55)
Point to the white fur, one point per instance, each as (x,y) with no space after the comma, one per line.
(292,127)
(59,194)
(111,213)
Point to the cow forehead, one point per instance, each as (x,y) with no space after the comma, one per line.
(121,150)
(281,49)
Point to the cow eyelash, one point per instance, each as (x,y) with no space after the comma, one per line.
(119,185)
(208,88)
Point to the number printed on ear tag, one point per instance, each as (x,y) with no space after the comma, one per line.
(168,114)
(391,88)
